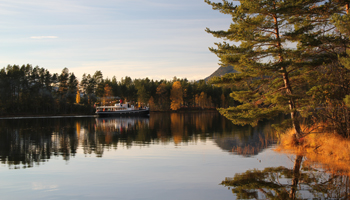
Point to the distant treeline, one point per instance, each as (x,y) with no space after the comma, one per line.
(34,90)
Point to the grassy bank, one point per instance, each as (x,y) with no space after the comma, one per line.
(328,150)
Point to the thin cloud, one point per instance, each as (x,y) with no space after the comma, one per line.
(43,37)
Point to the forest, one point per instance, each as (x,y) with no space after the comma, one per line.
(28,90)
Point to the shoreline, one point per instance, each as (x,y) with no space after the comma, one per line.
(44,116)
(29,116)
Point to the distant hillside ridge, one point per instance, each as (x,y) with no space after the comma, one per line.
(221,71)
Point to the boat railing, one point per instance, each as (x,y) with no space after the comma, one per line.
(119,107)
(109,108)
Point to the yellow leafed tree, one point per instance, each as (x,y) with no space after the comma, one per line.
(203,100)
(77,98)
(107,93)
(176,96)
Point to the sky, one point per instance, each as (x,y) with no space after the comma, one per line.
(158,39)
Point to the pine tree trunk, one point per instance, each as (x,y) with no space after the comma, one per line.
(296,175)
(292,107)
(287,85)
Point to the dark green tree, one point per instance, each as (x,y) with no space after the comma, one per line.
(72,88)
(84,83)
(91,84)
(63,82)
(115,86)
(99,87)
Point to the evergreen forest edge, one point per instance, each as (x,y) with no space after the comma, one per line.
(28,90)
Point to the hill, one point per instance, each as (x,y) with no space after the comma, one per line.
(221,71)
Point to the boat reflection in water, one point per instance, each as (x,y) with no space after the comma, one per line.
(121,124)
(124,131)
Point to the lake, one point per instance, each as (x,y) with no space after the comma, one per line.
(163,156)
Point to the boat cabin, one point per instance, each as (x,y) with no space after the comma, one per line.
(116,107)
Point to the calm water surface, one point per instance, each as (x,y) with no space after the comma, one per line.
(164,156)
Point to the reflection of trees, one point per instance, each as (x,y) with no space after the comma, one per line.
(177,127)
(247,140)
(31,141)
(185,127)
(284,183)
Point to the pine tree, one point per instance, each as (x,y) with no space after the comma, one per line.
(99,87)
(63,82)
(272,75)
(72,88)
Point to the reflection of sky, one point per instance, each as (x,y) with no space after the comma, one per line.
(159,171)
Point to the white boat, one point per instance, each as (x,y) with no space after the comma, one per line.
(121,110)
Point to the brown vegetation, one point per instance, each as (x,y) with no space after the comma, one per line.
(321,148)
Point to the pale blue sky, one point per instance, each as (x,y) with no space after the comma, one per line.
(158,39)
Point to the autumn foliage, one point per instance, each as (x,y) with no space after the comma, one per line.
(328,150)
(176,96)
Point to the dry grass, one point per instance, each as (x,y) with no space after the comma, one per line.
(329,151)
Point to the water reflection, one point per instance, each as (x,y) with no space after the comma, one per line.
(247,140)
(284,183)
(29,142)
